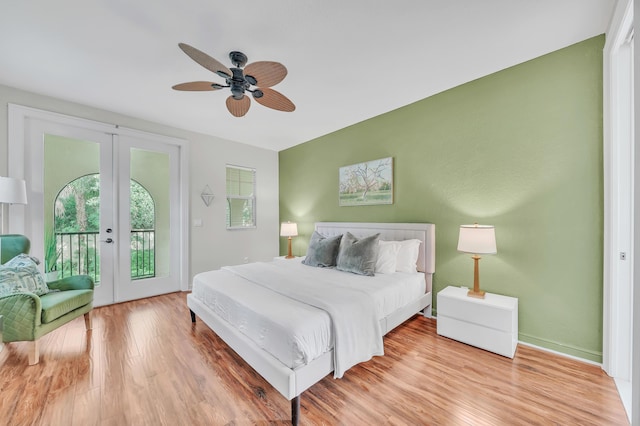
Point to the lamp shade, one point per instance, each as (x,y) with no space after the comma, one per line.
(288,229)
(477,239)
(13,191)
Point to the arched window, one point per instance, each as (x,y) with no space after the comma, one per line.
(74,248)
(143,219)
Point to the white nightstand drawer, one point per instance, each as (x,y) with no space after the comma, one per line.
(490,323)
(489,339)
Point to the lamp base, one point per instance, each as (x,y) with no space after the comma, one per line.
(477,294)
(289,253)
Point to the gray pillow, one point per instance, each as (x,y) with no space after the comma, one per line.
(322,251)
(358,255)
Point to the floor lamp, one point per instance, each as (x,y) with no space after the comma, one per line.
(12,191)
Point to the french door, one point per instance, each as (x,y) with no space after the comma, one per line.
(113,198)
(148,258)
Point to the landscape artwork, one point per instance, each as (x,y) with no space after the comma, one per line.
(367,183)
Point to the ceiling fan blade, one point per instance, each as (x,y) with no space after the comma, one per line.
(267,73)
(238,107)
(197,86)
(205,60)
(276,100)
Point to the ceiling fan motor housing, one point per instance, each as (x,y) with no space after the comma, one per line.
(237,83)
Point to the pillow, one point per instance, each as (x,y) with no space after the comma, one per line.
(358,255)
(387,254)
(407,259)
(20,275)
(322,251)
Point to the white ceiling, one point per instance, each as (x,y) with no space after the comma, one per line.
(348,60)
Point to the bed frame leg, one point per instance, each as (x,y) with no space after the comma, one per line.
(295,410)
(193,316)
(427,311)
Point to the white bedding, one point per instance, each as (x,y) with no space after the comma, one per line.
(300,333)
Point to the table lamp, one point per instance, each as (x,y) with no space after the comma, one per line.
(477,239)
(289,230)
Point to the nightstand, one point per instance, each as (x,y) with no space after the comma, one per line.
(298,258)
(490,323)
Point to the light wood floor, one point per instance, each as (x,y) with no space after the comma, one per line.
(144,363)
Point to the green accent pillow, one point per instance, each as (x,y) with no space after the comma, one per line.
(358,255)
(322,251)
(20,275)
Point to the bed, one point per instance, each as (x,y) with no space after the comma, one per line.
(252,327)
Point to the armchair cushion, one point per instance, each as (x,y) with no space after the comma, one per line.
(21,274)
(59,303)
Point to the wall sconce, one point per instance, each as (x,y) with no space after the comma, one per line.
(289,230)
(477,239)
(207,195)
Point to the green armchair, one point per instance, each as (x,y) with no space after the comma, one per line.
(27,317)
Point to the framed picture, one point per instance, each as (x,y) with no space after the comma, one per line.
(367,183)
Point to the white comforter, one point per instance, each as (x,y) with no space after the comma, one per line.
(294,332)
(356,327)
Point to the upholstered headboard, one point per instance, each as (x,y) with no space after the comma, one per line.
(425,232)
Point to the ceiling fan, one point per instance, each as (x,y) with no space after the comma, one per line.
(262,75)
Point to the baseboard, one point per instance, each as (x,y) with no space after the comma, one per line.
(564,354)
(582,354)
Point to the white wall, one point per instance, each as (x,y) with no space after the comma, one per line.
(212,245)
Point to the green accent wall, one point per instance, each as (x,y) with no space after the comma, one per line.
(520,149)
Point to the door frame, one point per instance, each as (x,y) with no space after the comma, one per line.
(19,155)
(619,187)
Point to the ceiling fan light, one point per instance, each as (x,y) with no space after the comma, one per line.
(223,74)
(237,91)
(258,93)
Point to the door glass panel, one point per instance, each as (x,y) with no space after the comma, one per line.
(71,207)
(149,214)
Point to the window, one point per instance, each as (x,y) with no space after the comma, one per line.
(241,197)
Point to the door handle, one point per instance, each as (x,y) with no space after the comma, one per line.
(108,241)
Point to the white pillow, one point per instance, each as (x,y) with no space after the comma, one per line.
(407,258)
(387,255)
